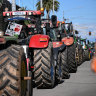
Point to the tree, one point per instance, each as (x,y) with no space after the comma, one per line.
(48,6)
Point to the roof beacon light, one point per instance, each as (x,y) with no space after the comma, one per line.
(42,10)
(63,22)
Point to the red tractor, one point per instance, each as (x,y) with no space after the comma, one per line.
(68,55)
(15,68)
(47,62)
(64,65)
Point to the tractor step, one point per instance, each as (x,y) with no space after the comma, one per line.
(27,78)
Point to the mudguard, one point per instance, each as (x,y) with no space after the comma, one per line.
(39,41)
(57,44)
(68,41)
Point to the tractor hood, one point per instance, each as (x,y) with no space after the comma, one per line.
(39,41)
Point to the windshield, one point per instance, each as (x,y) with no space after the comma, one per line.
(53,34)
(15,27)
(67,28)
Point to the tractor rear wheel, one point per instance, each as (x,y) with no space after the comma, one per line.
(80,57)
(12,70)
(77,55)
(71,58)
(65,66)
(87,54)
(44,69)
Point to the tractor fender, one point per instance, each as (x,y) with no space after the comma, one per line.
(39,41)
(68,41)
(57,44)
(56,47)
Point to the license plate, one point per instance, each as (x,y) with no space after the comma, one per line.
(19,13)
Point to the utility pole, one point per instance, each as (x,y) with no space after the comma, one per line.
(63,16)
(13,5)
(53,7)
(19,3)
(41,3)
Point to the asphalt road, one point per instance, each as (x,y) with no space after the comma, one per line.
(82,83)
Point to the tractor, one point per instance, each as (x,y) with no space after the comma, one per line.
(64,65)
(91,48)
(52,51)
(68,55)
(79,50)
(86,51)
(16,77)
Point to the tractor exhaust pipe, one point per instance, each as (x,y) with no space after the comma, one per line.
(13,5)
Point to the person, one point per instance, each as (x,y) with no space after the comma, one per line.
(93,63)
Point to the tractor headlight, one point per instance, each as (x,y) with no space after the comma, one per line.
(8,14)
(1,33)
(30,13)
(68,37)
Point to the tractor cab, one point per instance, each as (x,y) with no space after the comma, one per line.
(56,32)
(83,43)
(22,23)
(19,25)
(67,28)
(51,28)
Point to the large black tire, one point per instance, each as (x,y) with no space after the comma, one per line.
(12,71)
(44,69)
(87,54)
(80,57)
(71,58)
(77,54)
(65,66)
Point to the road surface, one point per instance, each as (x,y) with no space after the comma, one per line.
(82,83)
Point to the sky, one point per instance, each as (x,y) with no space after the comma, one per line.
(81,12)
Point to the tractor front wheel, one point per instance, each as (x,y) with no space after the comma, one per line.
(71,58)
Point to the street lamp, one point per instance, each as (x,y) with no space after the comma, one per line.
(41,3)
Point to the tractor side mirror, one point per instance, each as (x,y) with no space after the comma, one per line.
(54,20)
(89,33)
(88,41)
